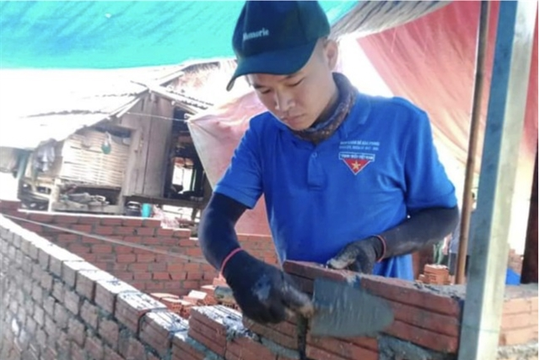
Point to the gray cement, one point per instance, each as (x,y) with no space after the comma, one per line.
(391,348)
(518,352)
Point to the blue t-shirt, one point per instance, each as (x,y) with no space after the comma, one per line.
(378,167)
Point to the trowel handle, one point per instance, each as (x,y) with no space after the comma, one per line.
(224,294)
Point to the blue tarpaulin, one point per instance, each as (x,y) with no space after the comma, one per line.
(102,34)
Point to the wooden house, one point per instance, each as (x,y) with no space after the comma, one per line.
(96,140)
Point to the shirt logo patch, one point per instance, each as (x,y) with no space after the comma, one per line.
(356,161)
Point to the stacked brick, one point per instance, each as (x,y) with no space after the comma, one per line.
(59,307)
(435,274)
(519,323)
(182,306)
(422,316)
(515,261)
(145,270)
(55,305)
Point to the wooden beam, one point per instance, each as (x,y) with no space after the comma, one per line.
(482,312)
(529,273)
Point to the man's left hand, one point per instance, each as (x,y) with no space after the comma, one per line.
(359,256)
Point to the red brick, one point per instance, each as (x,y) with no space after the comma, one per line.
(208,339)
(442,324)
(188,243)
(161,276)
(111,354)
(89,220)
(516,321)
(195,275)
(119,249)
(158,328)
(142,275)
(519,336)
(94,347)
(407,293)
(49,354)
(77,353)
(182,233)
(67,238)
(523,305)
(132,349)
(192,267)
(61,316)
(245,348)
(82,228)
(180,267)
(137,222)
(129,308)
(145,258)
(89,313)
(46,281)
(124,275)
(76,331)
(423,337)
(164,232)
(126,258)
(58,257)
(344,348)
(78,249)
(109,332)
(103,230)
(65,219)
(125,230)
(151,223)
(184,349)
(9,205)
(191,285)
(270,332)
(90,239)
(72,302)
(48,305)
(70,269)
(40,217)
(319,354)
(107,290)
(111,221)
(86,282)
(143,231)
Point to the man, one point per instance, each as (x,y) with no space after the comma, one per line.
(349,180)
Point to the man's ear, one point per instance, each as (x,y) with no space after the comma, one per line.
(331,51)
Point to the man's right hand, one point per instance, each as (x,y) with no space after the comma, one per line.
(264,293)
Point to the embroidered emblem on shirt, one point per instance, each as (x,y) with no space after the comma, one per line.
(356,161)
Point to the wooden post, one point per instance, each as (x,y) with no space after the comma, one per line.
(482,312)
(529,273)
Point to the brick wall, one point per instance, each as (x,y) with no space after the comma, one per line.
(143,269)
(55,305)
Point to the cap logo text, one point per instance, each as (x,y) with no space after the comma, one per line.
(256,34)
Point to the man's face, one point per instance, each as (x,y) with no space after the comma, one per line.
(299,99)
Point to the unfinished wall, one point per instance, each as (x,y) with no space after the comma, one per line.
(145,270)
(54,305)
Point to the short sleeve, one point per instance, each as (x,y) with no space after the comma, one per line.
(242,180)
(427,184)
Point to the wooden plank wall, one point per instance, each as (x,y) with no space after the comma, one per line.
(84,161)
(146,167)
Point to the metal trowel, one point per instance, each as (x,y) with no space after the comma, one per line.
(341,310)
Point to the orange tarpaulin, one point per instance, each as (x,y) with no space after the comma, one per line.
(430,61)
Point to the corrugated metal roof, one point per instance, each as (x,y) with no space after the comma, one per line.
(39,105)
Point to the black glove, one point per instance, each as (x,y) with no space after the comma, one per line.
(359,256)
(264,293)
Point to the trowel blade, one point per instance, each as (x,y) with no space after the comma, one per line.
(345,311)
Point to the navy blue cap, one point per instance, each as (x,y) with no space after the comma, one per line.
(277,37)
